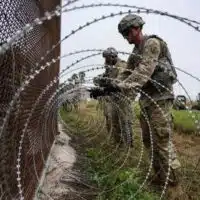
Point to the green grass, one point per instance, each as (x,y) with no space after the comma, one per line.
(184,122)
(67,117)
(91,104)
(103,163)
(118,183)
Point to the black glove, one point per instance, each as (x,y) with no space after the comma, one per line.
(111,89)
(96,92)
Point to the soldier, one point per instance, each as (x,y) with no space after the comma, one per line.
(152,71)
(117,120)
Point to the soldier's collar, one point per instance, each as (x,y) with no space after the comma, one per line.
(141,45)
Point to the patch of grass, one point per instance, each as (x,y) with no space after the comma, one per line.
(116,176)
(68,117)
(91,104)
(115,183)
(184,122)
(136,109)
(111,170)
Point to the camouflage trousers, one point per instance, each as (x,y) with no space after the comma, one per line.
(160,126)
(118,121)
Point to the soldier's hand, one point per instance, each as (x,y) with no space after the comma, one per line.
(111,89)
(128,89)
(96,92)
(124,86)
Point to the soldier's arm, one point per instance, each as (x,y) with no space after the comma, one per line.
(100,79)
(143,72)
(104,80)
(96,81)
(122,66)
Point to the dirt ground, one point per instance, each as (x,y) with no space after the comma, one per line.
(62,178)
(188,148)
(60,162)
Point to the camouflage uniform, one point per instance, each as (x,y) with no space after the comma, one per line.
(151,59)
(116,111)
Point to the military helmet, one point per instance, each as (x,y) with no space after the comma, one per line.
(110,52)
(129,21)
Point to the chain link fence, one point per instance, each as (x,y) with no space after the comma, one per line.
(16,64)
(30,96)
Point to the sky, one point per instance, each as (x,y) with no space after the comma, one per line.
(183,41)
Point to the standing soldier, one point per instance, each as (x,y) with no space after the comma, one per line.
(115,109)
(153,74)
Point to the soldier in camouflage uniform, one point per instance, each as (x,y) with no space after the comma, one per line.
(152,71)
(115,109)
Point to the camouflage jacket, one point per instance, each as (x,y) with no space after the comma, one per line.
(112,72)
(143,63)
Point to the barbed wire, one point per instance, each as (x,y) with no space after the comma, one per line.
(44,91)
(122,165)
(139,10)
(50,85)
(57,12)
(54,100)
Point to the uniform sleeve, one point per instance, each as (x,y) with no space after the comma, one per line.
(143,72)
(103,80)
(122,68)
